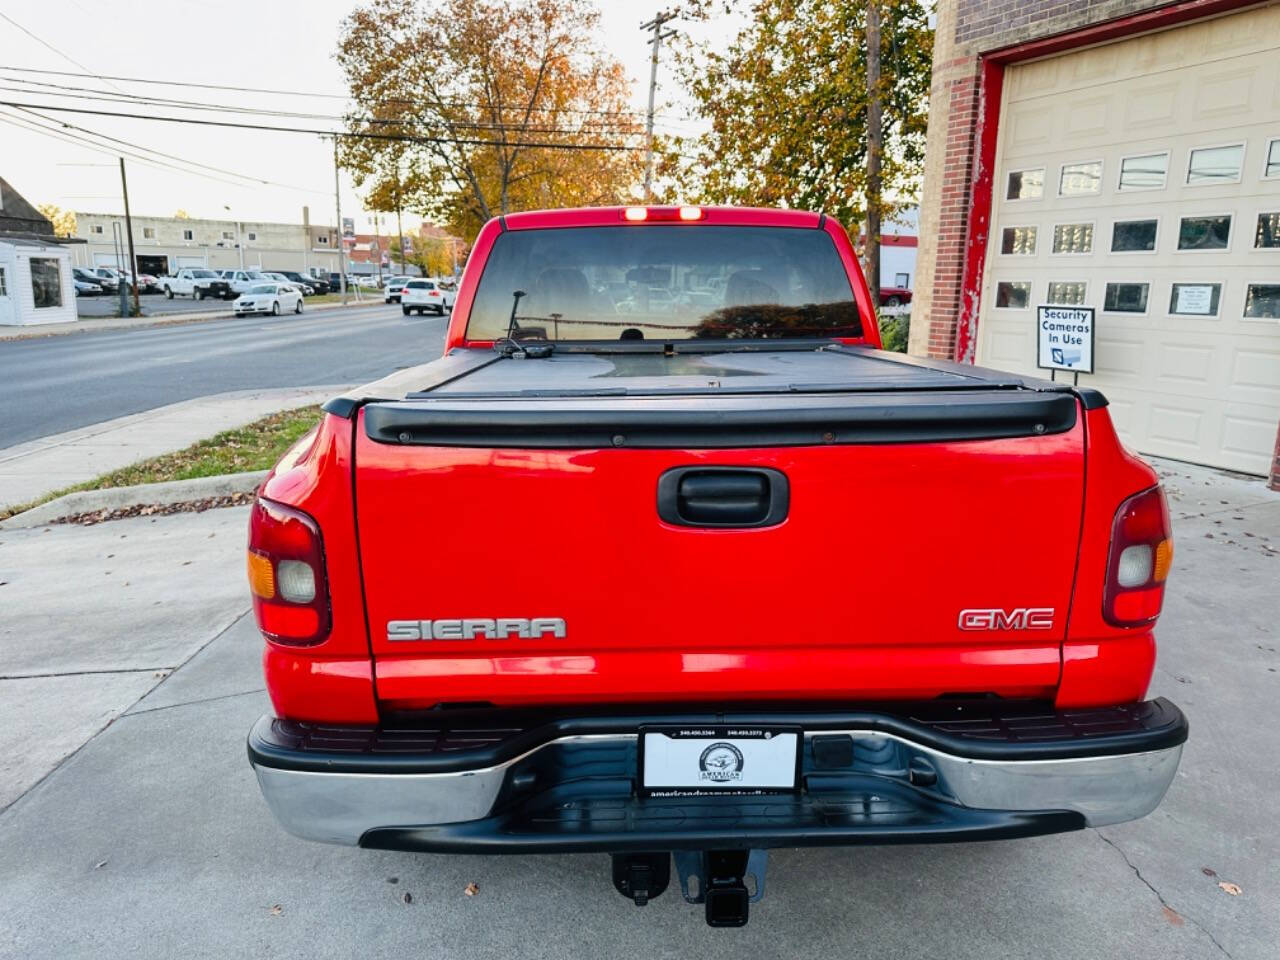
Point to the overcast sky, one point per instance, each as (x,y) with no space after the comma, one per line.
(280,44)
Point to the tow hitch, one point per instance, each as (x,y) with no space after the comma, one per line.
(715,878)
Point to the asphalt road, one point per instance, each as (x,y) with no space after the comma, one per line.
(65,382)
(131,824)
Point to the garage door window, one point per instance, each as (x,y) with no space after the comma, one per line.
(1126,297)
(1147,172)
(1268,231)
(1195,299)
(1020,241)
(1013,295)
(1080,178)
(1067,292)
(1262,300)
(1025,185)
(46,282)
(1216,164)
(1272,168)
(4,289)
(1073,238)
(1204,233)
(1133,236)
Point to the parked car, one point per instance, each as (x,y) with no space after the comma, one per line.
(196,283)
(720,647)
(315,283)
(146,282)
(273,298)
(92,283)
(240,281)
(419,296)
(391,292)
(894,296)
(301,286)
(106,278)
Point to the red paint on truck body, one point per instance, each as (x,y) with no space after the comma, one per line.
(857,595)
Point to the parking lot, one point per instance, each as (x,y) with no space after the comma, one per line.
(131,824)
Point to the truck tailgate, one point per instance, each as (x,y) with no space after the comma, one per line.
(928,547)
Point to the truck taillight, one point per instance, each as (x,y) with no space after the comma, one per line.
(1141,553)
(286,574)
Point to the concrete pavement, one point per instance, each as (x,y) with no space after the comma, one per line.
(151,840)
(38,467)
(57,384)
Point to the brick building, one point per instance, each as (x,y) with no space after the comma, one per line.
(1122,155)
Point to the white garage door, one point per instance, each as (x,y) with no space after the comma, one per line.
(1142,178)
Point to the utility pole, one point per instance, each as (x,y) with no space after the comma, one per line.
(377,242)
(875,150)
(342,240)
(128,229)
(656,43)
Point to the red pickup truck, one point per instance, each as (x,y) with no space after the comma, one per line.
(665,556)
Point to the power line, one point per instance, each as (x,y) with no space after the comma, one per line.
(79,141)
(49,46)
(170,156)
(357,135)
(92,94)
(305,93)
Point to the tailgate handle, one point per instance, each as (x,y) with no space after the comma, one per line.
(723,496)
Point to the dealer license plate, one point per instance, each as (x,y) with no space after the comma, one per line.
(678,761)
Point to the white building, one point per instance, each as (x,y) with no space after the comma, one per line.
(166,244)
(36,284)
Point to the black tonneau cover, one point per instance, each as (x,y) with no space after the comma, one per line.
(709,396)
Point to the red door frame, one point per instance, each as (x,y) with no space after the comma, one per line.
(990,89)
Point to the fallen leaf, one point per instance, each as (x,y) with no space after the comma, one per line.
(408,897)
(277,910)
(100,864)
(1227,887)
(393,879)
(1172,916)
(1209,871)
(471,890)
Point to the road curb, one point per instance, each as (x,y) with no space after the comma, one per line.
(142,494)
(91,324)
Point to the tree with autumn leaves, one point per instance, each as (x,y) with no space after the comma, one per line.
(487,106)
(482,107)
(790,114)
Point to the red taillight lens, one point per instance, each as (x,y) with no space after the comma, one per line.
(286,574)
(1141,554)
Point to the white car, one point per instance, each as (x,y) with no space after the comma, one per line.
(392,292)
(423,295)
(272,298)
(85,288)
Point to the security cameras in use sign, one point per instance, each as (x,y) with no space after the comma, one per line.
(1064,336)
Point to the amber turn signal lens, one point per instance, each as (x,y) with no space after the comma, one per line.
(262,578)
(1164,560)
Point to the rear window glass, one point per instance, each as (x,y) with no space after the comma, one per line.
(419,285)
(204,274)
(664,282)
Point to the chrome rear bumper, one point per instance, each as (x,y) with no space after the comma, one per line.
(556,788)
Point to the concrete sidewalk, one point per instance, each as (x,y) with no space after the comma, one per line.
(94,324)
(34,469)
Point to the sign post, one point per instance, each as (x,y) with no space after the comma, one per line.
(1064,338)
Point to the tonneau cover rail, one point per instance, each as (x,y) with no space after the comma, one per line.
(722,422)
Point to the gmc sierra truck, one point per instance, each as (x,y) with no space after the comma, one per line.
(665,559)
